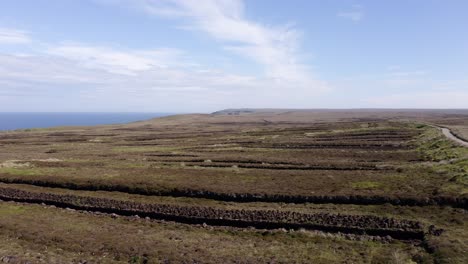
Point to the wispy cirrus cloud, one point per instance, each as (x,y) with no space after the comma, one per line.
(420,99)
(356,14)
(33,79)
(128,62)
(276,48)
(168,78)
(13,36)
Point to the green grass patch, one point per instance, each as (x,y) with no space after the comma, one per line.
(20,171)
(449,160)
(354,130)
(147,149)
(34,172)
(9,209)
(434,146)
(366,185)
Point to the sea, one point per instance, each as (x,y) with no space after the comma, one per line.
(14,121)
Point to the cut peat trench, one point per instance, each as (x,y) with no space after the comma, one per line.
(252,164)
(458,202)
(285,167)
(381,147)
(261,219)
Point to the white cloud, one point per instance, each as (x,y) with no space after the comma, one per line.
(13,36)
(116,61)
(397,87)
(352,15)
(64,83)
(407,73)
(421,99)
(275,48)
(356,14)
(121,79)
(397,77)
(28,70)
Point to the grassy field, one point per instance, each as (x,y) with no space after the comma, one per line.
(289,187)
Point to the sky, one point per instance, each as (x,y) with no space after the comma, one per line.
(207,55)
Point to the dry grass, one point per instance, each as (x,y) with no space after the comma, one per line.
(78,236)
(179,152)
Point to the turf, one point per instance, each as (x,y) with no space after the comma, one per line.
(390,165)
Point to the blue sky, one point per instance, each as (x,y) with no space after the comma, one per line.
(206,55)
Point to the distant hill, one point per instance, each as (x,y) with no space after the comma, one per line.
(242,111)
(248,111)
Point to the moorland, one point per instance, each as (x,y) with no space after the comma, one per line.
(240,186)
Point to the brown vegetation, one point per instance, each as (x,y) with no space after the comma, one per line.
(280,159)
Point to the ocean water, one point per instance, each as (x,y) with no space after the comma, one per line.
(12,121)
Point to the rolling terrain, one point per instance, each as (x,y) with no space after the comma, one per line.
(240,186)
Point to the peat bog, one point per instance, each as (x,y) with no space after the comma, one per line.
(270,186)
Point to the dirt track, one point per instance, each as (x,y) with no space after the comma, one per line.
(452,137)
